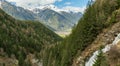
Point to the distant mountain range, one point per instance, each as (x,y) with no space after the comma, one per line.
(54,20)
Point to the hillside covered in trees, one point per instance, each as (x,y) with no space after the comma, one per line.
(98,27)
(21,38)
(99,15)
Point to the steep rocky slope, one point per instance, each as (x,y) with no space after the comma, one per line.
(105,37)
(99,16)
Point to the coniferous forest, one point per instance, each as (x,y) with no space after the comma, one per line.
(23,39)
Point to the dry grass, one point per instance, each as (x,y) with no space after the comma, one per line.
(118,45)
(113,55)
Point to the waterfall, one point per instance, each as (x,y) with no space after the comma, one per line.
(92,59)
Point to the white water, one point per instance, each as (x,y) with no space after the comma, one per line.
(92,59)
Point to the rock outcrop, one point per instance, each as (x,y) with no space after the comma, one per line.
(106,37)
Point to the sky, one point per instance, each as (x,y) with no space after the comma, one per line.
(73,5)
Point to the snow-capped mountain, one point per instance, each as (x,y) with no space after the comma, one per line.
(54,18)
(54,8)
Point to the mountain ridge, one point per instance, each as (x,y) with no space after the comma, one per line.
(57,21)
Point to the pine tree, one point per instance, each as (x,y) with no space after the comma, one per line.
(101,60)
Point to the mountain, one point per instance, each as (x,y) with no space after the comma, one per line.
(58,21)
(98,27)
(22,41)
(28,43)
(17,12)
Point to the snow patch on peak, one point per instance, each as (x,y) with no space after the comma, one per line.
(74,9)
(59,10)
(51,7)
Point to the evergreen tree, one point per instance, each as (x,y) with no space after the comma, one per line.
(101,60)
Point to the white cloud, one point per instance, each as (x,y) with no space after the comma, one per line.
(67,3)
(66,8)
(74,9)
(33,3)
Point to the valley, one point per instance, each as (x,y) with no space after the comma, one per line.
(63,33)
(38,33)
(23,41)
(54,20)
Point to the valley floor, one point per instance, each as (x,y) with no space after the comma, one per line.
(63,33)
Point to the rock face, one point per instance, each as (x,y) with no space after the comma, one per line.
(4,61)
(7,61)
(106,37)
(113,55)
(34,61)
(107,48)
